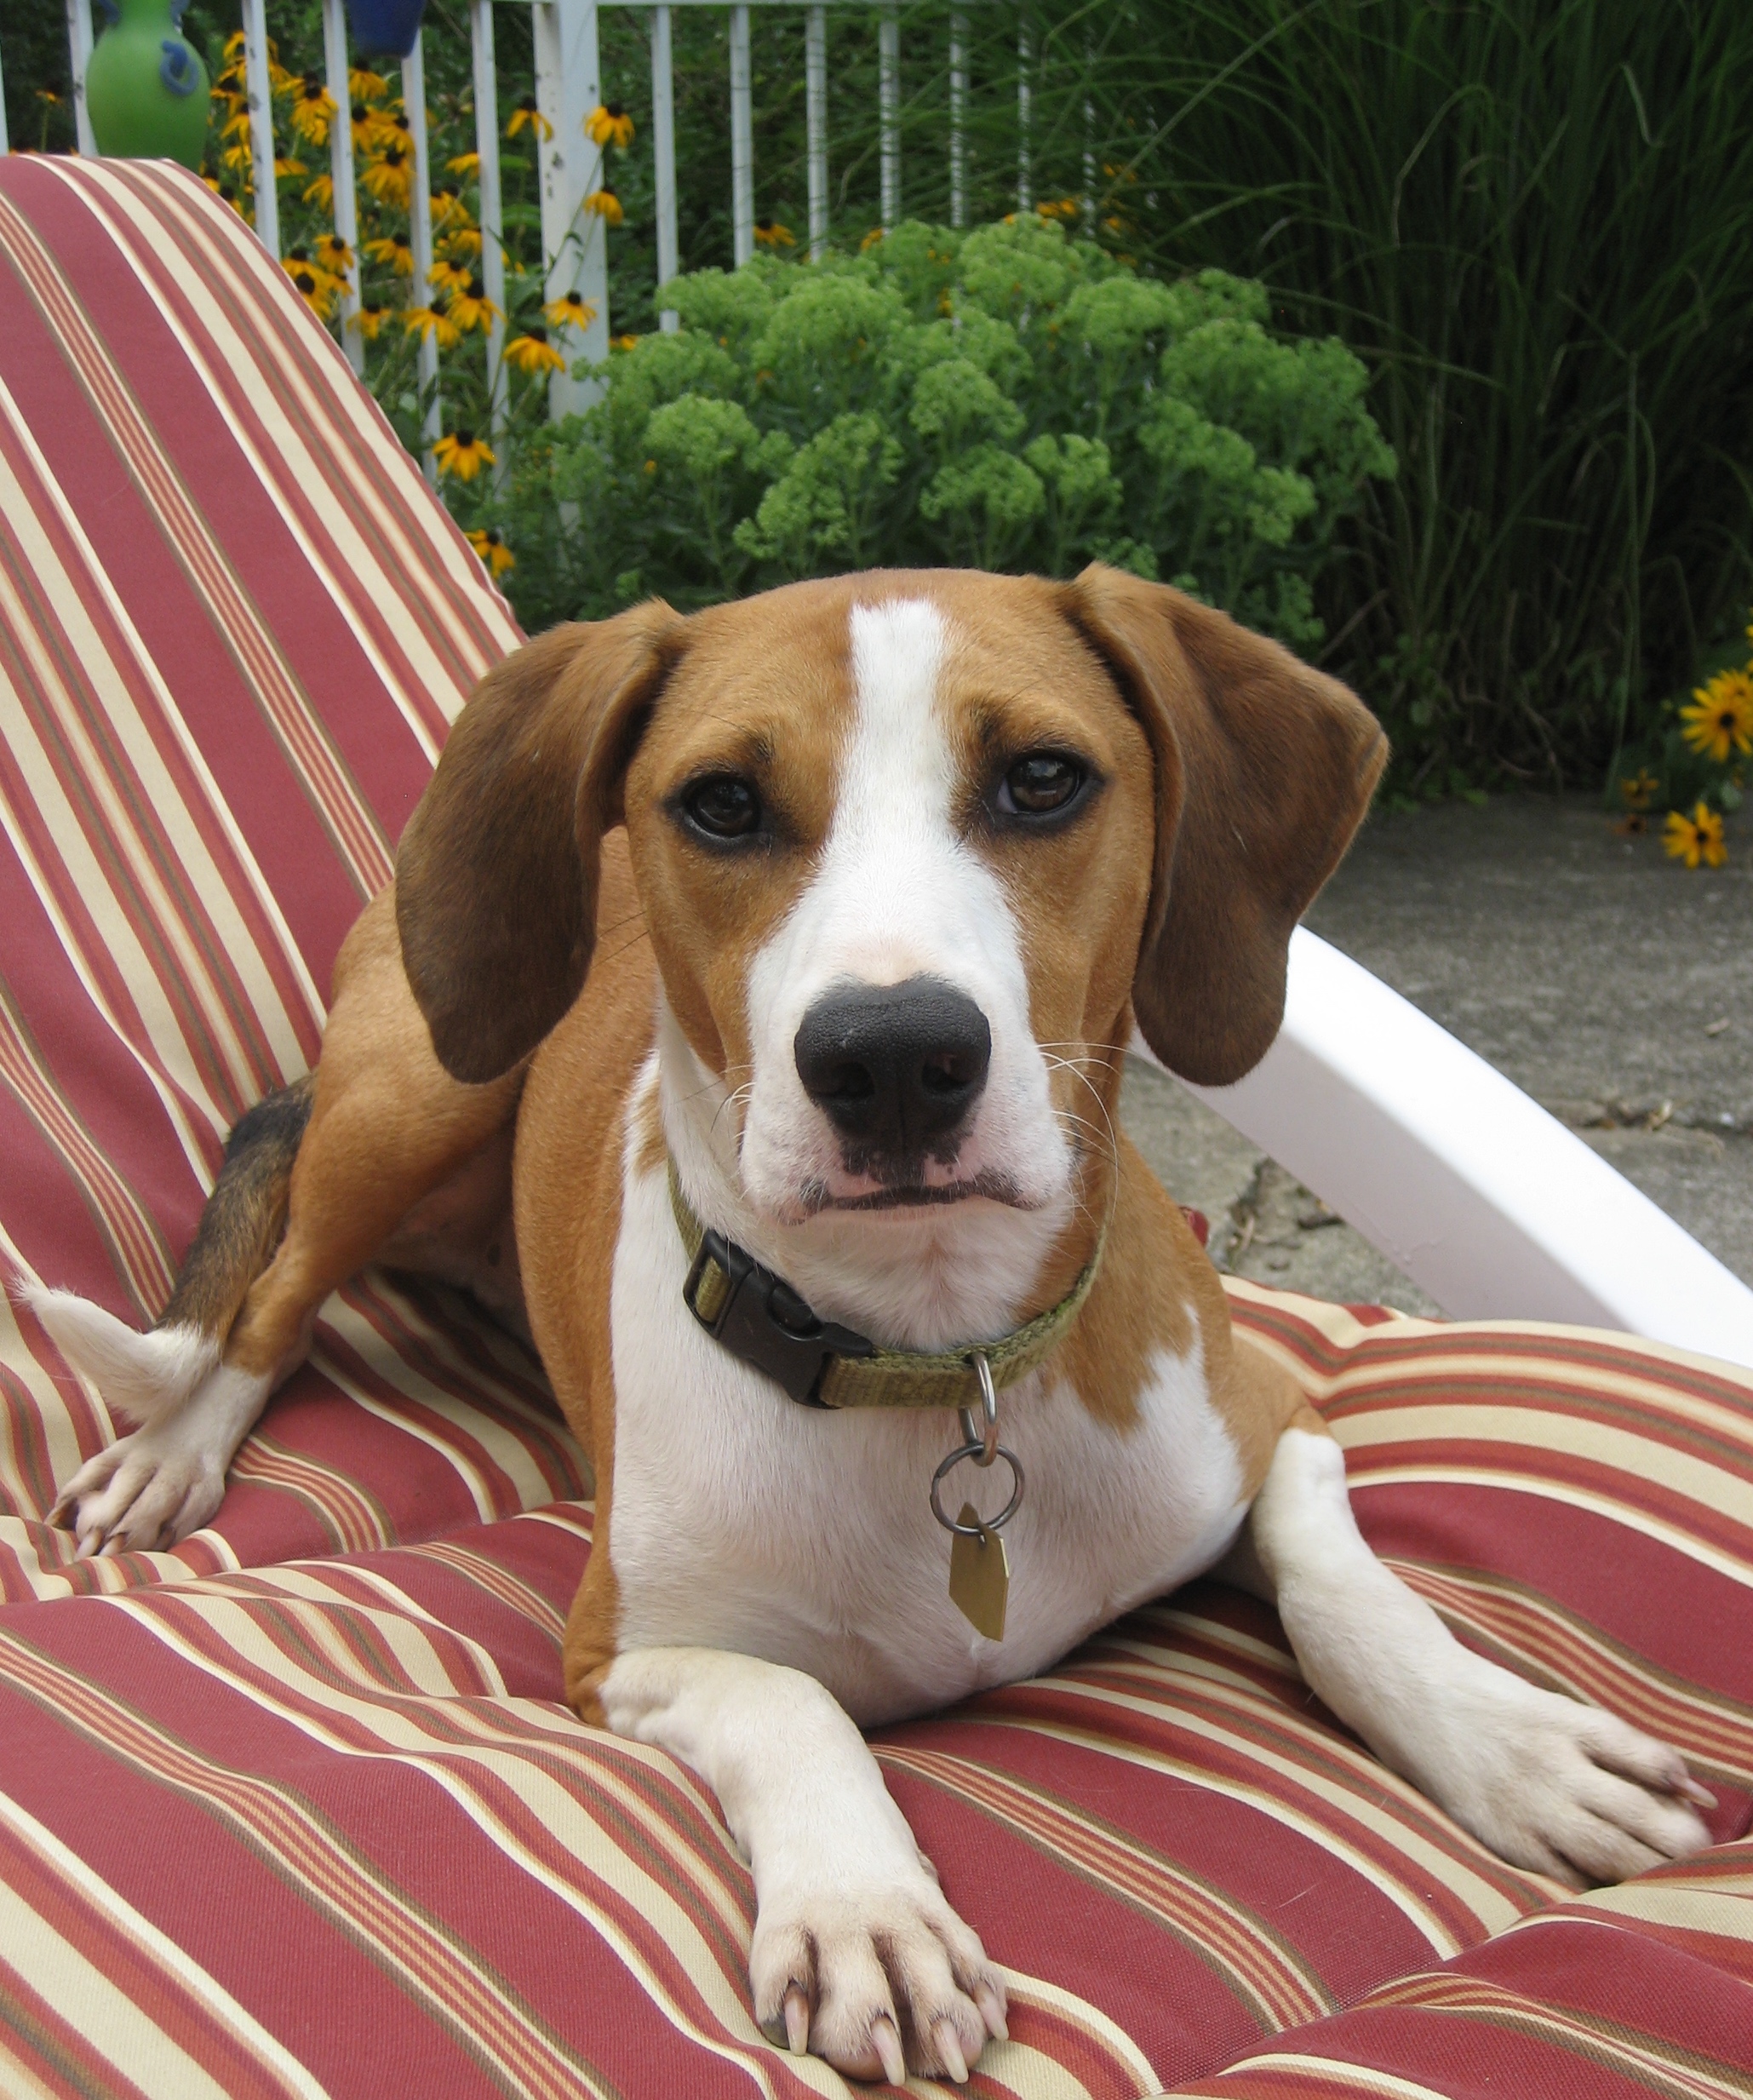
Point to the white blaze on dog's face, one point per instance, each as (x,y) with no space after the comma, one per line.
(895,839)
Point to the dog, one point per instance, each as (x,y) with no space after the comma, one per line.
(746,1021)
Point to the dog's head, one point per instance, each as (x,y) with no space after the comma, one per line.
(913,849)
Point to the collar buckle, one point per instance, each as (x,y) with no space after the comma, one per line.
(758,1317)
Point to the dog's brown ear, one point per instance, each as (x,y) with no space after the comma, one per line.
(496,874)
(1264,769)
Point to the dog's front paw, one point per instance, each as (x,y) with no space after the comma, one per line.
(142,1495)
(1569,1790)
(880,1980)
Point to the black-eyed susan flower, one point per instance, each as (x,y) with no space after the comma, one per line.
(234,44)
(570,309)
(610,124)
(771,234)
(1695,838)
(470,307)
(289,165)
(434,320)
(299,258)
(1058,207)
(448,208)
(493,550)
(369,126)
(623,342)
(317,291)
(606,205)
(874,235)
(239,158)
(388,177)
(364,85)
(464,240)
(370,319)
(312,109)
(464,164)
(392,250)
(526,112)
(1718,719)
(333,255)
(449,276)
(1637,790)
(321,193)
(532,353)
(462,454)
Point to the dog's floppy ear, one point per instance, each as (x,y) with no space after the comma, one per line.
(496,874)
(1264,769)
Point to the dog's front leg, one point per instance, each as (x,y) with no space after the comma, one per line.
(1549,1783)
(857,1955)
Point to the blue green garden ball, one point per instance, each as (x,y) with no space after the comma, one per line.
(145,90)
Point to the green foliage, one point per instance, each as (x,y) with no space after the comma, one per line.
(1010,398)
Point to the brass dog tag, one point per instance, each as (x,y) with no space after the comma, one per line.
(980,1577)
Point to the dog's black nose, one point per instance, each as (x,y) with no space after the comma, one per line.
(894,1067)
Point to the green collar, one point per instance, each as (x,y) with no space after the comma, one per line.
(758,1317)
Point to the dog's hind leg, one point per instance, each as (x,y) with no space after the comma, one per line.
(316,1179)
(1567,1789)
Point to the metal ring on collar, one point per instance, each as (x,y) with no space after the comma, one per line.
(986,1433)
(973,1450)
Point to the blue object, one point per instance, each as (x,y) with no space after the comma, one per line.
(384,28)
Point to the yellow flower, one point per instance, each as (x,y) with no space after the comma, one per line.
(388,177)
(239,158)
(464,240)
(1719,718)
(362,84)
(312,106)
(605,205)
(465,164)
(288,166)
(321,193)
(771,234)
(449,277)
(300,258)
(526,112)
(370,319)
(571,306)
(237,125)
(623,342)
(371,128)
(448,208)
(1639,789)
(875,234)
(234,44)
(463,454)
(1695,838)
(434,321)
(395,251)
(231,83)
(317,290)
(471,308)
(333,255)
(532,351)
(1066,207)
(609,124)
(493,551)
(49,96)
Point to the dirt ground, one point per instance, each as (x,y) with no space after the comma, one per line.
(1611,983)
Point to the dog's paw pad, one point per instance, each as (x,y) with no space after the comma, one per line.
(879,1982)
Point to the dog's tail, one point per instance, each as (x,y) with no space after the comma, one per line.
(149,1376)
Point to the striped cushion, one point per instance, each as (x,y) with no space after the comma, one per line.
(298,1808)
(233,628)
(1182,1863)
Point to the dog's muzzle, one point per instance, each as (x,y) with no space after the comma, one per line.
(897,1069)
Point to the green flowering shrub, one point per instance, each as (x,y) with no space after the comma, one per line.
(1008,399)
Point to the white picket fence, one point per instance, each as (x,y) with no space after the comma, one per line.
(568,88)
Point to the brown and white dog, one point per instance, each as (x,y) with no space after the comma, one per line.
(903,858)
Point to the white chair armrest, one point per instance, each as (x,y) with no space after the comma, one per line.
(1462,1181)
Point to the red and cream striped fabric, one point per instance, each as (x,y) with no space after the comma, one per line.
(298,1809)
(233,628)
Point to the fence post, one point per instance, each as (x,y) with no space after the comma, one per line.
(816,115)
(340,174)
(79,52)
(261,122)
(574,243)
(1025,58)
(663,148)
(889,111)
(742,143)
(492,229)
(958,119)
(419,240)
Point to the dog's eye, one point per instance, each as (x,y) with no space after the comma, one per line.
(724,807)
(1040,783)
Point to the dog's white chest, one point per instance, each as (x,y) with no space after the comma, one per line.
(742,1521)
